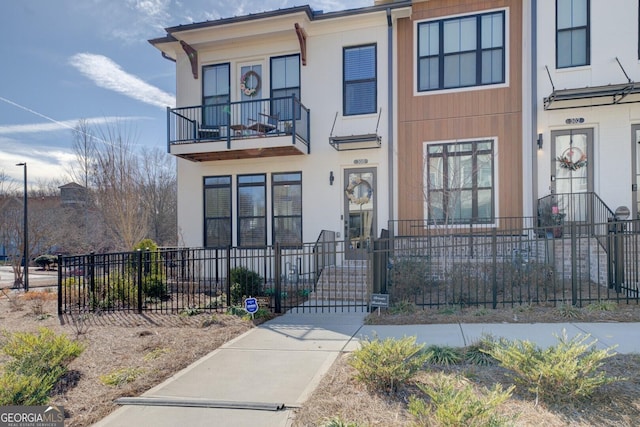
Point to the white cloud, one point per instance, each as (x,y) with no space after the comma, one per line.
(57,125)
(107,74)
(42,165)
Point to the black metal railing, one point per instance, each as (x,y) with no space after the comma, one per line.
(523,265)
(177,279)
(231,121)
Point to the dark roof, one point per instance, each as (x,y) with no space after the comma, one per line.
(312,14)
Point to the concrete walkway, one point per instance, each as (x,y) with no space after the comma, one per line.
(259,378)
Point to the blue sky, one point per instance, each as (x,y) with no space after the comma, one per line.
(66,60)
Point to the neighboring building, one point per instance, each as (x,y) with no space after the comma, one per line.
(463,128)
(588,114)
(283,125)
(73,194)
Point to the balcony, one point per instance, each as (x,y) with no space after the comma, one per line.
(269,127)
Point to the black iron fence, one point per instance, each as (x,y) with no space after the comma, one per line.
(314,277)
(497,266)
(434,266)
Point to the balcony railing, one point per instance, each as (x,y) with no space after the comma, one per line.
(228,126)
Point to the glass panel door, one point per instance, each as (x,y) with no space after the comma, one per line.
(359,211)
(573,168)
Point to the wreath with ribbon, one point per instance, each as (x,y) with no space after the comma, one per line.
(350,191)
(245,83)
(573,159)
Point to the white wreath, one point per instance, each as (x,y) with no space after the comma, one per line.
(350,191)
(244,83)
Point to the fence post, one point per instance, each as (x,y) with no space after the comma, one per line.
(494,268)
(277,273)
(59,285)
(92,280)
(574,266)
(228,280)
(139,278)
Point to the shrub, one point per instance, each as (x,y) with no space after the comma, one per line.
(386,365)
(603,305)
(37,362)
(339,422)
(155,286)
(444,355)
(121,376)
(454,402)
(46,261)
(244,282)
(477,353)
(408,276)
(564,372)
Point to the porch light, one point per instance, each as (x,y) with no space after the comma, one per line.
(539,141)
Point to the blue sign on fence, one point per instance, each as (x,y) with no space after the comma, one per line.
(251,305)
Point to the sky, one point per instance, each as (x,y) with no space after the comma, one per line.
(62,61)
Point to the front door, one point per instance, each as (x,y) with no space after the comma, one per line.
(359,211)
(572,166)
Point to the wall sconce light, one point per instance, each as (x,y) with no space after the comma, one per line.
(539,141)
(331,178)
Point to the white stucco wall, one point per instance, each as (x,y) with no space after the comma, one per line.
(614,33)
(321,92)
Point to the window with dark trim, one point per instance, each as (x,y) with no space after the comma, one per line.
(285,82)
(252,219)
(460,182)
(359,80)
(217,211)
(287,208)
(461,52)
(215,95)
(572,33)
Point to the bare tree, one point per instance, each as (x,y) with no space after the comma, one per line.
(118,188)
(160,195)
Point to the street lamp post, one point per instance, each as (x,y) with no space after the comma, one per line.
(26,232)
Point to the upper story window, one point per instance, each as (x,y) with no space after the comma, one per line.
(359,80)
(217,211)
(461,52)
(285,82)
(215,94)
(572,33)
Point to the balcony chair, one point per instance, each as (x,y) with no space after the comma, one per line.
(266,124)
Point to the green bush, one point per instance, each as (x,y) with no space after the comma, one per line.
(386,365)
(477,353)
(37,361)
(455,402)
(121,376)
(339,422)
(245,282)
(45,261)
(408,276)
(155,286)
(444,355)
(567,371)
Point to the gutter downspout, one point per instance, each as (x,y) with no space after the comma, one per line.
(534,105)
(390,156)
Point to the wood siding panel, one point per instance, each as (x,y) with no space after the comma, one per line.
(467,114)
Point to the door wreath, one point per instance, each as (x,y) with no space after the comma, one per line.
(573,159)
(350,191)
(245,83)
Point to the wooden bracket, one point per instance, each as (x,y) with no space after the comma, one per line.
(193,57)
(302,39)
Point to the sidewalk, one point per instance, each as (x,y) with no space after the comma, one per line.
(259,378)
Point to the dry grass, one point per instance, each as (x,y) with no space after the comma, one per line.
(159,345)
(618,404)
